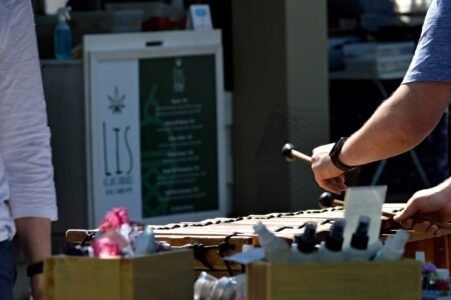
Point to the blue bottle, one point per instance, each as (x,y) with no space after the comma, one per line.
(63,35)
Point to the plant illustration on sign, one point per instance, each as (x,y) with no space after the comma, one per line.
(116,102)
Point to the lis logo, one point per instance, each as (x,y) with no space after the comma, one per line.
(116,102)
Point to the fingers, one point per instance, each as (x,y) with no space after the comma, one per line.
(432,230)
(406,224)
(428,228)
(410,210)
(422,227)
(334,185)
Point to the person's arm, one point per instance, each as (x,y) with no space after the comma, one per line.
(434,203)
(35,238)
(25,139)
(399,124)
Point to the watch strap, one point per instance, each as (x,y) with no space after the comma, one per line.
(34,269)
(335,152)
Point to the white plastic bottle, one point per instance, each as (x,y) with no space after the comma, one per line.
(145,242)
(204,286)
(62,35)
(276,249)
(394,246)
(359,241)
(331,250)
(374,248)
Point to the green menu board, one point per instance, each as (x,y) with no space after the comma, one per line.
(178,135)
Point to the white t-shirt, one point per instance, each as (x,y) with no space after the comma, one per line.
(26,172)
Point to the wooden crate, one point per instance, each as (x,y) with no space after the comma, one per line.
(166,275)
(346,280)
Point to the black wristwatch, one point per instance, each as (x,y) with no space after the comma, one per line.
(335,152)
(34,269)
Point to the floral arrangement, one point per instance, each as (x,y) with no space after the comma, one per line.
(119,237)
(433,283)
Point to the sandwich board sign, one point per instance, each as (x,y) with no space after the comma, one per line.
(155,125)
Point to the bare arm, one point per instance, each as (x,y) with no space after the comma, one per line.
(398,124)
(35,237)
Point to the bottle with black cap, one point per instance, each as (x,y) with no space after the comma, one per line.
(330,250)
(306,243)
(358,249)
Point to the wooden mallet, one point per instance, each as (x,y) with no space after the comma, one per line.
(327,200)
(290,154)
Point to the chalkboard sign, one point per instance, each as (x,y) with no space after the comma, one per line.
(155,125)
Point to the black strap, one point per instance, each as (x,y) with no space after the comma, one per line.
(34,269)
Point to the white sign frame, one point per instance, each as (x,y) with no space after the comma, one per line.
(134,46)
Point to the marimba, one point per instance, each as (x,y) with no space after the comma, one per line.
(213,239)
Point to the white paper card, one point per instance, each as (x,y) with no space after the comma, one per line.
(363,201)
(200,17)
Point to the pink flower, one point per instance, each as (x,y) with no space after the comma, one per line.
(109,244)
(122,214)
(105,247)
(114,219)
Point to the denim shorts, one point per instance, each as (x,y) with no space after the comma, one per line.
(7,270)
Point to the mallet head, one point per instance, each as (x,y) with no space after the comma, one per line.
(326,200)
(286,151)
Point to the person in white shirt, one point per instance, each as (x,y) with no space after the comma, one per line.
(27,192)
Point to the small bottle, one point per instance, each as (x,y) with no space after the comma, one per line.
(374,248)
(359,241)
(224,289)
(204,285)
(306,243)
(331,250)
(394,246)
(62,35)
(145,242)
(276,249)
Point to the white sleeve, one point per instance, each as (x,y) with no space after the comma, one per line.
(24,134)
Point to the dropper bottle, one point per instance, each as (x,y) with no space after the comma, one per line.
(306,243)
(276,249)
(359,241)
(331,249)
